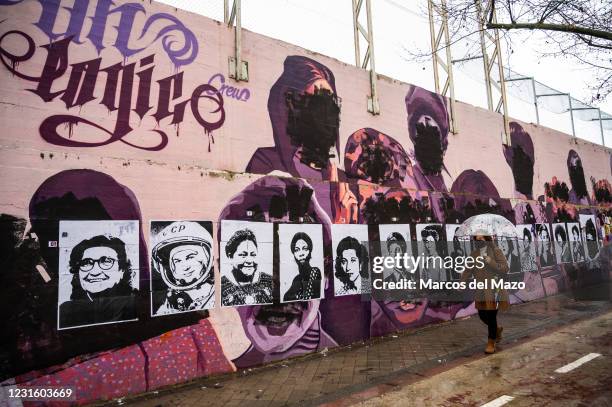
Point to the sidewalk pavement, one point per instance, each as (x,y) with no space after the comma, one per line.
(347,375)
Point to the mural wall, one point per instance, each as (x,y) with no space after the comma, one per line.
(161,222)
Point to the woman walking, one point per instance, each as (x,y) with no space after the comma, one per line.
(489,300)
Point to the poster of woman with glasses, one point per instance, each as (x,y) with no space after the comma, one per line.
(98,272)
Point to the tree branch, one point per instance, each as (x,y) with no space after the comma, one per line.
(553,27)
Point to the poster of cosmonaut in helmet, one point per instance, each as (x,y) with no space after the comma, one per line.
(182,276)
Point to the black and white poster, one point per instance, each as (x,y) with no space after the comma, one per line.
(301,262)
(246,252)
(527,247)
(544,245)
(576,242)
(589,235)
(431,243)
(562,245)
(395,241)
(98,272)
(510,248)
(182,275)
(351,259)
(456,246)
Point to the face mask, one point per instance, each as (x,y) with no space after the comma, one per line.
(480,243)
(375,162)
(576,174)
(428,149)
(522,170)
(312,123)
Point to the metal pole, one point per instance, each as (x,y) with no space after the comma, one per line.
(603,140)
(226,11)
(535,101)
(449,72)
(502,84)
(434,48)
(374,92)
(356,33)
(239,73)
(485,55)
(569,98)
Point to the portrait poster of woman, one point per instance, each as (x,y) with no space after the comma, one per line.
(395,240)
(562,245)
(98,272)
(246,258)
(527,247)
(351,259)
(301,262)
(576,242)
(588,227)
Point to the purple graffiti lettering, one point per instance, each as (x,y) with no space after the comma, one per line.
(128,14)
(10,61)
(48,17)
(218,81)
(202,92)
(77,11)
(116,97)
(183,56)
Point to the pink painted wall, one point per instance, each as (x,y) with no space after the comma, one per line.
(200,169)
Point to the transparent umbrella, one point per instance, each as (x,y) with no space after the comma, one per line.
(487,224)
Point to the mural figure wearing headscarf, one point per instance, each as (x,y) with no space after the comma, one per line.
(91,195)
(304,110)
(387,193)
(520,156)
(579,194)
(475,194)
(278,331)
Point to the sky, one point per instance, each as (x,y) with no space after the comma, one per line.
(401,28)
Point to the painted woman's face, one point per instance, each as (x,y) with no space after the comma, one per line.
(350,264)
(395,250)
(430,244)
(188,263)
(504,246)
(301,251)
(244,259)
(99,269)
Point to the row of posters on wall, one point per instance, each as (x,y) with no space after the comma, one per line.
(100,270)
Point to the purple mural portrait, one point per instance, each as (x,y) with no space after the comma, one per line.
(375,157)
(305,115)
(73,195)
(474,193)
(578,194)
(278,331)
(428,128)
(521,159)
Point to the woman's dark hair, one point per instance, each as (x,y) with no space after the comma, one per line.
(560,232)
(237,238)
(542,228)
(527,233)
(433,231)
(486,238)
(510,244)
(589,229)
(398,239)
(576,229)
(123,288)
(301,236)
(350,243)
